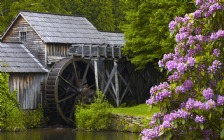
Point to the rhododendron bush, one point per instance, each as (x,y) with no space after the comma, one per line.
(192,99)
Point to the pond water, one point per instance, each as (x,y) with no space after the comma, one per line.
(66,134)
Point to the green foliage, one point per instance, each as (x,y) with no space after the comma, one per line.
(11,117)
(139,110)
(105,15)
(96,116)
(146,30)
(14,120)
(34,118)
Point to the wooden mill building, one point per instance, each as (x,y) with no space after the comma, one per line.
(44,39)
(71,57)
(26,73)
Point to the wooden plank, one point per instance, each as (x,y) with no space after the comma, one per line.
(110,78)
(104,81)
(96,74)
(117,85)
(112,85)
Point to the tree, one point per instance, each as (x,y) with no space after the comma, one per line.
(98,12)
(146,31)
(192,99)
(11,8)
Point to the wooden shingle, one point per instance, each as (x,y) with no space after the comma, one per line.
(54,28)
(14,57)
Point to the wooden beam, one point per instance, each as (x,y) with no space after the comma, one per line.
(96,74)
(104,81)
(116,84)
(112,85)
(90,51)
(110,78)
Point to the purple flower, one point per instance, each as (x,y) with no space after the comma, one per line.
(198,31)
(210,104)
(154,118)
(216,52)
(167,57)
(191,61)
(150,101)
(189,104)
(215,65)
(172,25)
(174,77)
(197,14)
(171,65)
(220,100)
(181,67)
(208,93)
(188,84)
(163,94)
(181,36)
(166,124)
(199,105)
(148,134)
(199,119)
(161,63)
(218,34)
(179,89)
(198,2)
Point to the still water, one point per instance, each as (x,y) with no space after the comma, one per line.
(66,134)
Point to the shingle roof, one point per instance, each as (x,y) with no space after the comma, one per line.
(14,57)
(63,28)
(114,38)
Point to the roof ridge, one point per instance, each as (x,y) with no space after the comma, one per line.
(51,13)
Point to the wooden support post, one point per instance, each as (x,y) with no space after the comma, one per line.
(96,74)
(116,84)
(83,51)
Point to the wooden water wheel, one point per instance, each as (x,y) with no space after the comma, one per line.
(68,79)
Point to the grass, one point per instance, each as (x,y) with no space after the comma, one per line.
(139,110)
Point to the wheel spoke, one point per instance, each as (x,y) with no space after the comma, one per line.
(76,74)
(71,113)
(66,98)
(84,75)
(68,83)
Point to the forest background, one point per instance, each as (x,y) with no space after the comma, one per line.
(144,22)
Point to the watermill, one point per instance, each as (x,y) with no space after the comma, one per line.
(87,69)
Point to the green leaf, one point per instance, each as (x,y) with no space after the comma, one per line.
(201,126)
(183,122)
(169,136)
(222,134)
(210,116)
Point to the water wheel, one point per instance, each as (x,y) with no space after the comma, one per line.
(69,80)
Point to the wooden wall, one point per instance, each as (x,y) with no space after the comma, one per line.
(33,41)
(28,87)
(60,50)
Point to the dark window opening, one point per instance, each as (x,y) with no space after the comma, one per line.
(22,36)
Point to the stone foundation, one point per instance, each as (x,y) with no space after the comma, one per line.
(128,123)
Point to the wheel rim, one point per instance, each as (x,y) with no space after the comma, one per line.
(75,77)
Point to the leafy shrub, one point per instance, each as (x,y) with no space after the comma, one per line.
(96,116)
(192,99)
(11,117)
(34,117)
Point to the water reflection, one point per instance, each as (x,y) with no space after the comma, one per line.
(66,134)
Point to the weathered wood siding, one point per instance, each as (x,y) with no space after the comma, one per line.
(33,42)
(59,50)
(28,87)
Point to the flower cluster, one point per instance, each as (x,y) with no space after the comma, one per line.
(191,92)
(199,119)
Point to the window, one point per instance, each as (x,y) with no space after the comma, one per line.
(22,36)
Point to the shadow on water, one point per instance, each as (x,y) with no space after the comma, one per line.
(66,134)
